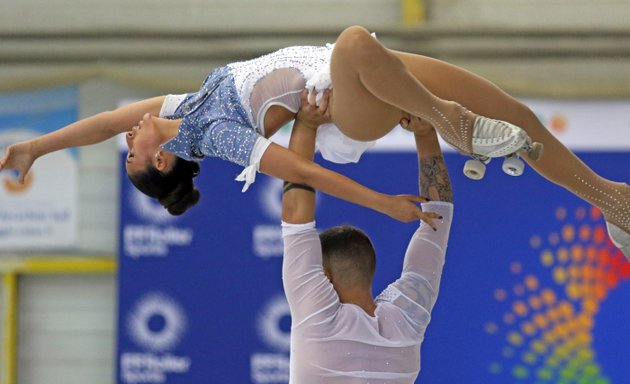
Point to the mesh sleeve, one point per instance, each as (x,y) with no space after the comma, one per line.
(307,288)
(417,288)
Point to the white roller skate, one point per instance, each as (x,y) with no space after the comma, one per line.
(496,138)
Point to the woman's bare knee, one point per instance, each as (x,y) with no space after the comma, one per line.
(352,32)
(357,41)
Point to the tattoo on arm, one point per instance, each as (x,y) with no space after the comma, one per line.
(434,181)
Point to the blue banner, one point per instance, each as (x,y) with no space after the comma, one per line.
(532,291)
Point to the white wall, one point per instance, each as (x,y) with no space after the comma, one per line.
(207,15)
(238,15)
(66,323)
(572,14)
(66,329)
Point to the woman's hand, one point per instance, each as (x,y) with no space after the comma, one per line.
(416,125)
(404,208)
(312,114)
(19,157)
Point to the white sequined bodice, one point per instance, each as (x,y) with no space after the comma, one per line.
(276,79)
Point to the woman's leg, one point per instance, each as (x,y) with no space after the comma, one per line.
(557,164)
(373,84)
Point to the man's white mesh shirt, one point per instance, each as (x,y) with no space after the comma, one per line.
(333,342)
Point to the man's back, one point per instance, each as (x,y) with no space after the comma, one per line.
(353,346)
(334,342)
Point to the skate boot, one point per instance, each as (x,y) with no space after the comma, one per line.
(496,138)
(620,238)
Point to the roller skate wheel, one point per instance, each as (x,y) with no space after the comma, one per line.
(474,169)
(535,151)
(513,166)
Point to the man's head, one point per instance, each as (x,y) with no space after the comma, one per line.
(349,257)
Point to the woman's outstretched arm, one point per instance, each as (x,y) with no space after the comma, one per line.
(91,130)
(282,163)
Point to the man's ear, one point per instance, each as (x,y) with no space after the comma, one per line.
(328,275)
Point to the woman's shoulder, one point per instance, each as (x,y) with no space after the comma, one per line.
(170,104)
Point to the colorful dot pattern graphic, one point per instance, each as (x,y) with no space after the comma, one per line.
(547,319)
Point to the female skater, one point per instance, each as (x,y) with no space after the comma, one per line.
(242,104)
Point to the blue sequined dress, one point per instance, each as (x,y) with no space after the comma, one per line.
(225,118)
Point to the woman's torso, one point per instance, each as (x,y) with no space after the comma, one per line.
(255,98)
(270,86)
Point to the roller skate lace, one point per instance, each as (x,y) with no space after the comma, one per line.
(497,138)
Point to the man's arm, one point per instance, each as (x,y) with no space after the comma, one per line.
(306,287)
(298,202)
(433,179)
(424,259)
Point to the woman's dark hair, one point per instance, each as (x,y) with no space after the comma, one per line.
(174,189)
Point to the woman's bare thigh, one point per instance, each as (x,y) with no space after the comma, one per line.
(357,112)
(450,82)
(362,116)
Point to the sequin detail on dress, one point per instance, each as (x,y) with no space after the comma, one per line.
(214,123)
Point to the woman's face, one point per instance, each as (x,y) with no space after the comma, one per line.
(144,145)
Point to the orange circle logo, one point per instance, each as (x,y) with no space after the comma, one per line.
(558,123)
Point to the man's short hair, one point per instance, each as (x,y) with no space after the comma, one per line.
(349,254)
